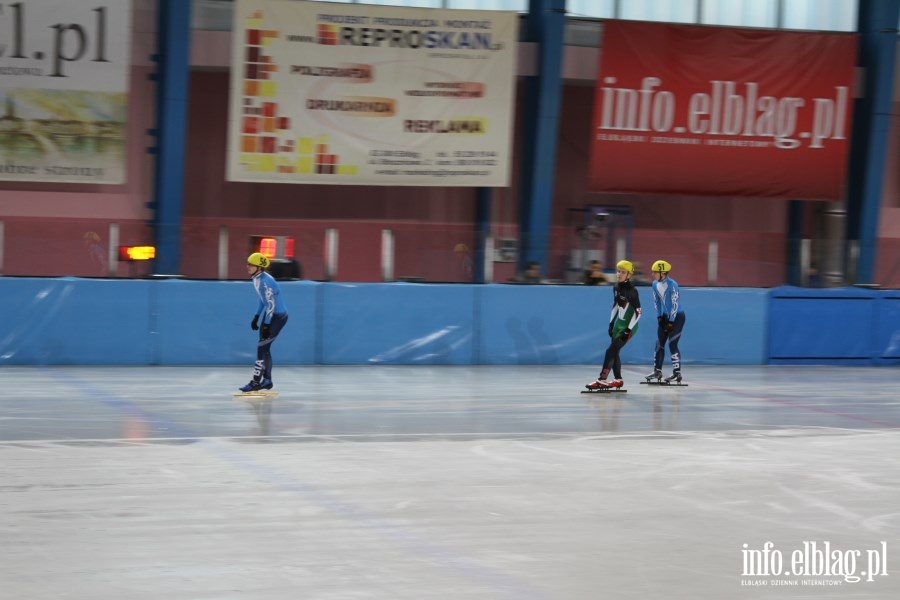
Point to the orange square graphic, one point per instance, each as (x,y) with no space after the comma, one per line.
(251,87)
(269,124)
(268,145)
(251,125)
(248,143)
(269,109)
(327,34)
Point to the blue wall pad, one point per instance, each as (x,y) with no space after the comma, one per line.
(71,321)
(543,325)
(568,325)
(887,327)
(824,326)
(208,322)
(397,323)
(724,326)
(175,322)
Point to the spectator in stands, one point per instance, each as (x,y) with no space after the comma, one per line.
(531,274)
(96,253)
(813,278)
(595,275)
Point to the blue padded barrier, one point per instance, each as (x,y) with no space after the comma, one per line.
(887,328)
(834,326)
(543,325)
(71,321)
(724,326)
(397,323)
(198,322)
(133,322)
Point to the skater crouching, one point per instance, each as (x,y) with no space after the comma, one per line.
(670,316)
(623,322)
(273,316)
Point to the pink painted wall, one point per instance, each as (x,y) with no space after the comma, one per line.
(433,226)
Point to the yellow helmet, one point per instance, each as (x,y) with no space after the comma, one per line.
(258,260)
(625,265)
(661,266)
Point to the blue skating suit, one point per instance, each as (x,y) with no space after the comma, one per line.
(270,302)
(670,314)
(272,312)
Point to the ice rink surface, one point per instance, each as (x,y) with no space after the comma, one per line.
(449,483)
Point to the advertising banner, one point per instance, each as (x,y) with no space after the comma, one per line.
(701,110)
(353,94)
(64,72)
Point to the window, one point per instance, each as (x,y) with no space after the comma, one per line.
(740,13)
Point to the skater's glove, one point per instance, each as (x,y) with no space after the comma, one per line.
(609,331)
(625,335)
(670,325)
(254,324)
(662,320)
(264,332)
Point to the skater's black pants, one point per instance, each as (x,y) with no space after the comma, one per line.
(612,360)
(663,336)
(263,368)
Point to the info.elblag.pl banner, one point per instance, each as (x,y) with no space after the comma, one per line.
(719,111)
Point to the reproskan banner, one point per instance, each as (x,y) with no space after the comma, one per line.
(333,93)
(699,110)
(64,73)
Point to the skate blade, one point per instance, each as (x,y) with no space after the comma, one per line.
(664,383)
(604,391)
(256,394)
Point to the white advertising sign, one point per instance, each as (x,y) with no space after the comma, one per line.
(64,73)
(371,95)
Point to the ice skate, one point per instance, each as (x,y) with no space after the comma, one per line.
(253,386)
(257,389)
(656,374)
(675,378)
(603,386)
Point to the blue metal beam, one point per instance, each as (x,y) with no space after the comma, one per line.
(545,26)
(794,237)
(171,109)
(872,120)
(483,230)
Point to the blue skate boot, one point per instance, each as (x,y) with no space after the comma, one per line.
(253,386)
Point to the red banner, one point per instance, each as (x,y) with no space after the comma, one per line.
(699,110)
